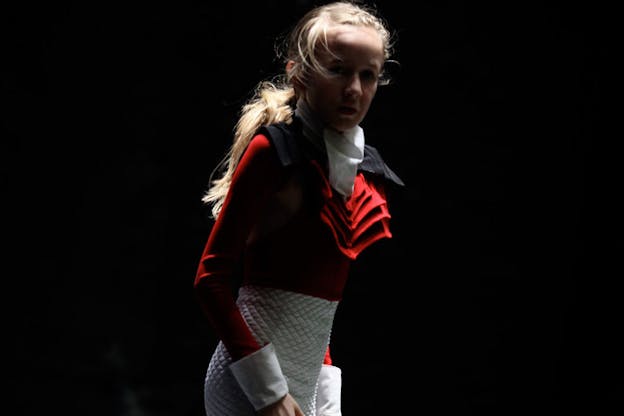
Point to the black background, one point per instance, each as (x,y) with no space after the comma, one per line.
(498,294)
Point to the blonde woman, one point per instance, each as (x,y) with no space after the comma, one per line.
(299,197)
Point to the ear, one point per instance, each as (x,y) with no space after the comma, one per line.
(297,84)
(290,65)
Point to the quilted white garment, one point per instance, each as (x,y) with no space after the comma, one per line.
(299,328)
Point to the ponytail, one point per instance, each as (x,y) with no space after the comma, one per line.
(271,103)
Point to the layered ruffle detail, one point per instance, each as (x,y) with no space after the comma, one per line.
(357,221)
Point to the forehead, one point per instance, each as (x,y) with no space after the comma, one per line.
(356,43)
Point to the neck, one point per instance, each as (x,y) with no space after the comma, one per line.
(312,124)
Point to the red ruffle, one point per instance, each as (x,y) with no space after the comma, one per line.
(358,221)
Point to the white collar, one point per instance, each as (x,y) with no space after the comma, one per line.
(344,150)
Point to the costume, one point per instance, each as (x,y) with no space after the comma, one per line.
(288,238)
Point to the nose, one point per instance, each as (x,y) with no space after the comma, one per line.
(353,86)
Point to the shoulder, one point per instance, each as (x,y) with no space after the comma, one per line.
(258,165)
(285,138)
(258,155)
(292,149)
(259,148)
(260,143)
(374,164)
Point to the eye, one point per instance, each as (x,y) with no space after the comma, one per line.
(337,69)
(369,75)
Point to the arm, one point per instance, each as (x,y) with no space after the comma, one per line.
(220,260)
(255,366)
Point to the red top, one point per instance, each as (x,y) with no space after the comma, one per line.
(283,227)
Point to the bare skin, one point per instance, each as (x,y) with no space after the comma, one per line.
(285,407)
(343,99)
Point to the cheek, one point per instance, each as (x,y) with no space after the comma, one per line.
(372,90)
(322,91)
(326,85)
(367,98)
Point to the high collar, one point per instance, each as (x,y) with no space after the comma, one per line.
(312,125)
(344,150)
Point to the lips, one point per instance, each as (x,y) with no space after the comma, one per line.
(347,110)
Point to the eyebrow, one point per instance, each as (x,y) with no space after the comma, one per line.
(371,65)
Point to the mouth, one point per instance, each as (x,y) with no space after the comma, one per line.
(349,111)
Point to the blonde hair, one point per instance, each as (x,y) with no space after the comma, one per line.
(273,101)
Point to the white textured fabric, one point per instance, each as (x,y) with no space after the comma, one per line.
(260,376)
(298,326)
(329,391)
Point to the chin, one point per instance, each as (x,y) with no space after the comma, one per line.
(342,125)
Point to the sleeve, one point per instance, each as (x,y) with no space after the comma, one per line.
(251,187)
(255,366)
(329,390)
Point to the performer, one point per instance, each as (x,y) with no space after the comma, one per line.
(300,196)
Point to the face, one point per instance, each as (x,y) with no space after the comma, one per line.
(354,64)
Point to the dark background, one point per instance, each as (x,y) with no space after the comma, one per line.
(498,294)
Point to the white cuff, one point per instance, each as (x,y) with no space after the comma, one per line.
(328,393)
(260,377)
